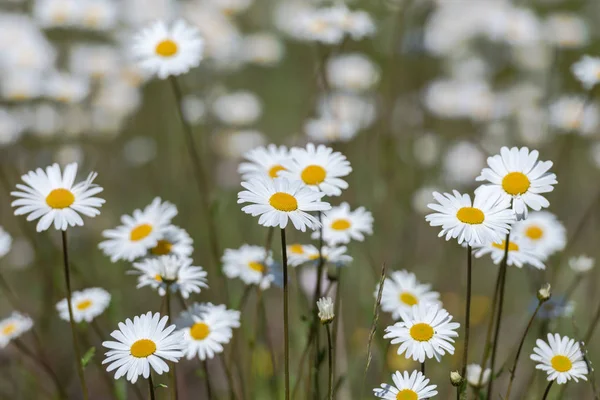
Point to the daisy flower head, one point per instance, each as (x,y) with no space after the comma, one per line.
(520,252)
(474,375)
(87,304)
(561,358)
(325,307)
(168,50)
(573,113)
(544,231)
(13,327)
(174,241)
(340,225)
(318,25)
(318,167)
(517,174)
(206,328)
(140,231)
(52,196)
(144,343)
(264,161)
(171,273)
(249,263)
(277,200)
(581,264)
(331,255)
(484,220)
(5,242)
(413,386)
(402,291)
(587,71)
(426,331)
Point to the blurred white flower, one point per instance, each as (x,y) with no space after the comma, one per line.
(11,128)
(358,23)
(573,114)
(21,85)
(348,108)
(587,71)
(34,51)
(327,130)
(520,252)
(65,88)
(13,327)
(421,198)
(566,30)
(462,163)
(139,150)
(94,61)
(56,13)
(250,264)
(98,15)
(67,154)
(581,264)
(426,149)
(21,255)
(353,72)
(46,120)
(5,242)
(230,7)
(544,231)
(193,109)
(115,97)
(262,48)
(476,376)
(86,304)
(141,12)
(238,108)
(233,144)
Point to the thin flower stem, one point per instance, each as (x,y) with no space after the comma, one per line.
(23,349)
(503,267)
(547,390)
(105,376)
(207,380)
(286,332)
(151,387)
(467,310)
(315,321)
(173,373)
(300,369)
(71,320)
(330,351)
(229,376)
(338,317)
(423,367)
(202,182)
(513,370)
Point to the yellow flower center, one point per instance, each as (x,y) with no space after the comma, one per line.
(158,278)
(9,329)
(275,170)
(83,305)
(408,298)
(515,183)
(143,348)
(470,215)
(166,48)
(283,202)
(162,248)
(256,266)
(512,246)
(140,232)
(199,331)
(561,363)
(340,224)
(407,394)
(297,249)
(534,232)
(60,198)
(313,174)
(421,332)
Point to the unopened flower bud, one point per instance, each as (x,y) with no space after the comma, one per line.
(544,293)
(455,378)
(325,306)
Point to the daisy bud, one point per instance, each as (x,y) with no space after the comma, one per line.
(544,293)
(455,378)
(325,306)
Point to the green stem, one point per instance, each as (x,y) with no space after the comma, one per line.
(207,380)
(467,311)
(173,373)
(547,390)
(315,321)
(330,358)
(71,320)
(423,367)
(23,349)
(151,387)
(286,332)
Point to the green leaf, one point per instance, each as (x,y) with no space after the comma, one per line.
(161,385)
(87,357)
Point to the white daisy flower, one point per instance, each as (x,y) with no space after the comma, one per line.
(51,196)
(485,220)
(402,291)
(56,13)
(319,25)
(581,264)
(139,233)
(332,255)
(66,88)
(325,309)
(13,327)
(167,51)
(171,272)
(354,71)
(358,24)
(426,331)
(277,200)
(574,114)
(545,232)
(474,377)
(340,225)
(239,108)
(262,48)
(318,167)
(5,242)
(587,71)
(207,328)
(174,241)
(328,129)
(520,252)
(407,387)
(561,358)
(143,344)
(98,15)
(517,175)
(297,249)
(250,264)
(87,304)
(264,161)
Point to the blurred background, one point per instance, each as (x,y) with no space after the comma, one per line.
(417,99)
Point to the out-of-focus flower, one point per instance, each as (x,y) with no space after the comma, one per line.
(348,108)
(402,290)
(34,52)
(327,129)
(94,61)
(544,231)
(574,114)
(341,225)
(462,162)
(87,304)
(581,264)
(230,7)
(335,256)
(193,109)
(56,13)
(234,143)
(173,242)
(5,242)
(566,30)
(421,198)
(474,375)
(168,50)
(66,88)
(353,72)
(561,358)
(249,263)
(238,108)
(265,161)
(97,15)
(520,253)
(426,149)
(13,327)
(11,128)
(139,150)
(21,85)
(413,386)
(555,307)
(262,48)
(587,71)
